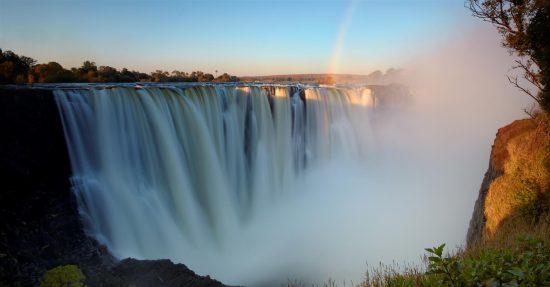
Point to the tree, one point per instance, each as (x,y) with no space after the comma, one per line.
(51,72)
(525,29)
(18,69)
(108,74)
(225,77)
(88,72)
(29,62)
(14,68)
(133,76)
(88,66)
(206,77)
(178,76)
(160,76)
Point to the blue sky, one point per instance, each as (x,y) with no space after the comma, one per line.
(240,37)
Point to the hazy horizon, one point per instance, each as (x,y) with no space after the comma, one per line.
(244,38)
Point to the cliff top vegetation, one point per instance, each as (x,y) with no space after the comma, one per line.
(18,69)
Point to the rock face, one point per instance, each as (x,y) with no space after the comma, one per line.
(40,227)
(152,273)
(499,155)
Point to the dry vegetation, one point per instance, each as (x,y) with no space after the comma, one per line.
(518,202)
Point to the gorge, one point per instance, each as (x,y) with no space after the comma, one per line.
(316,143)
(183,172)
(145,188)
(275,143)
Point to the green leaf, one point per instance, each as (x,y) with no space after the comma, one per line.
(439,250)
(517,272)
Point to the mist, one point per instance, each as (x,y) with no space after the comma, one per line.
(253,181)
(378,185)
(416,188)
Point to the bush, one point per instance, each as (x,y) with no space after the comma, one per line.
(66,276)
(527,264)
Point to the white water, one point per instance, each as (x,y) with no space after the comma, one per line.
(211,176)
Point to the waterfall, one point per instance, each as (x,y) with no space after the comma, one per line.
(173,171)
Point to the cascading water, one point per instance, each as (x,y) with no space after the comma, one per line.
(182,172)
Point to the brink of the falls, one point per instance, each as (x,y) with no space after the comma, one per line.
(197,173)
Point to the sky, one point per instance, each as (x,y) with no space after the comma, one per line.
(432,158)
(239,37)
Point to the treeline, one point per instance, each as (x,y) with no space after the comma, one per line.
(16,69)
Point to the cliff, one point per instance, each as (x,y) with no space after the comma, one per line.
(513,199)
(40,227)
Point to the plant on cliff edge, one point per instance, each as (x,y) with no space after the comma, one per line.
(527,264)
(63,276)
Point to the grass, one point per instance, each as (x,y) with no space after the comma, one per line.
(515,245)
(519,201)
(527,264)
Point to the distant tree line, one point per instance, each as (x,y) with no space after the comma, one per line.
(16,69)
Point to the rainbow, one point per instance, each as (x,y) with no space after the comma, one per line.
(334,65)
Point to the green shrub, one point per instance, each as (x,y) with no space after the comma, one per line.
(63,276)
(527,264)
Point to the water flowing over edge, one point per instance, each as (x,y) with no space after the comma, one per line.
(179,172)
